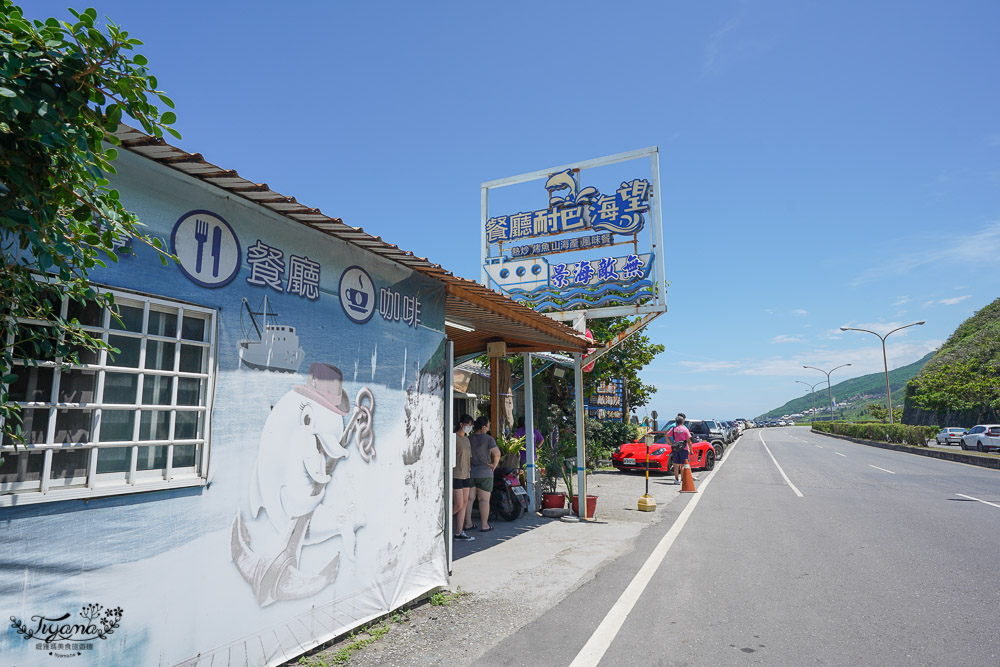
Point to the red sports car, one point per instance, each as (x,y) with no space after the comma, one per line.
(632,455)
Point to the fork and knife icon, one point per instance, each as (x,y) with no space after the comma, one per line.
(201,236)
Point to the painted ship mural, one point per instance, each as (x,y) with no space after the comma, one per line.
(267,345)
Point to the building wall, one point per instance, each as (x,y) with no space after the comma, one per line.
(197,572)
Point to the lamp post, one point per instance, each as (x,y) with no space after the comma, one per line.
(885,361)
(812,390)
(829,389)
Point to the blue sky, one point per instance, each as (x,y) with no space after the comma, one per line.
(822,164)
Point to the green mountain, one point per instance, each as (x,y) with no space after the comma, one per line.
(855,394)
(960,386)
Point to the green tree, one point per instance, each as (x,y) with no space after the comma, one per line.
(881,413)
(624,362)
(64,88)
(957,386)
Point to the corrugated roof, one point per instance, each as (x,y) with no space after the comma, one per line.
(493,316)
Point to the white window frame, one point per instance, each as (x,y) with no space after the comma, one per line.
(96,484)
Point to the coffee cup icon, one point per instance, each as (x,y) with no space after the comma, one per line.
(358,299)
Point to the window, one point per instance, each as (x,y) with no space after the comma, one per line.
(135,420)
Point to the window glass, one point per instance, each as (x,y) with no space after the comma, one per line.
(154,425)
(188,391)
(160,355)
(157,389)
(73,426)
(186,425)
(185,456)
(162,324)
(90,314)
(78,386)
(128,357)
(76,405)
(131,318)
(151,458)
(32,384)
(11,465)
(191,359)
(69,464)
(34,425)
(193,328)
(117,425)
(120,387)
(113,459)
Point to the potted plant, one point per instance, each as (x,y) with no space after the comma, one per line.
(510,451)
(550,462)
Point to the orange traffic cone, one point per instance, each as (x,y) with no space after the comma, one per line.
(687,481)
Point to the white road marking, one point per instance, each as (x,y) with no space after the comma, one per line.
(820,446)
(978,500)
(595,648)
(787,481)
(839,454)
(882,469)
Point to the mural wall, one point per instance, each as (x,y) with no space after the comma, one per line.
(323,504)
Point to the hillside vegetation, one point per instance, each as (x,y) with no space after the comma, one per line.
(851,391)
(960,385)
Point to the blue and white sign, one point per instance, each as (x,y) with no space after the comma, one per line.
(206,247)
(357,294)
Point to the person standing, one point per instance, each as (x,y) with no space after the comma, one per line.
(680,446)
(485,459)
(519,433)
(461,483)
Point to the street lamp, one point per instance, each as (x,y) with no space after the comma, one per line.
(812,389)
(829,389)
(885,362)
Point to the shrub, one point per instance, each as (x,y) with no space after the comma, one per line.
(902,434)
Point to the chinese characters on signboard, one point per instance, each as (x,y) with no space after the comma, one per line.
(592,224)
(267,268)
(606,403)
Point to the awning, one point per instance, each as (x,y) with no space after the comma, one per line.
(469,305)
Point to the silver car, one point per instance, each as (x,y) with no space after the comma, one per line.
(951,436)
(982,437)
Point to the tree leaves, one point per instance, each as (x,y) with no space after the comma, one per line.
(63,91)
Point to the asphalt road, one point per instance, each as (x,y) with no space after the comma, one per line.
(885,559)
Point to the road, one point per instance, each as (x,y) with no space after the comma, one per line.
(843,555)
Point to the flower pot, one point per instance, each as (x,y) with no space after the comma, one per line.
(553,500)
(591,506)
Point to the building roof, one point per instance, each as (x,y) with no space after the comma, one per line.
(492,316)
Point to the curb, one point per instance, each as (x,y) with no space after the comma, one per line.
(968,459)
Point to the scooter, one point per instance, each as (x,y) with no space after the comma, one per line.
(508,499)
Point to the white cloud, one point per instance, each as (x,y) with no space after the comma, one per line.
(713,48)
(800,312)
(901,300)
(863,360)
(928,304)
(981,246)
(707,366)
(782,338)
(769,311)
(955,299)
(690,387)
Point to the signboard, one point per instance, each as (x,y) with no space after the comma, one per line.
(590,250)
(606,403)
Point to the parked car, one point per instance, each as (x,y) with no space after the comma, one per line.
(632,455)
(951,436)
(708,429)
(982,437)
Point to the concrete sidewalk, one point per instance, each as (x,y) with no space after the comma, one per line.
(514,574)
(540,561)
